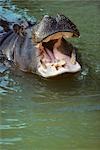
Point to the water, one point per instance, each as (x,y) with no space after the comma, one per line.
(61,113)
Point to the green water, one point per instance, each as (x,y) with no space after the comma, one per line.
(61,113)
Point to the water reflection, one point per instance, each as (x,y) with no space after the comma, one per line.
(7,85)
(8,141)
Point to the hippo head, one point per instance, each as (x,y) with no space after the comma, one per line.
(50,54)
(55,55)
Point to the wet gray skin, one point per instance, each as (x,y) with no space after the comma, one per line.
(41,49)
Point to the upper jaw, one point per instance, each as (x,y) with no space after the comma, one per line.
(50,25)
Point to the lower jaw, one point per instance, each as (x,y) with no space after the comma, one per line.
(52,71)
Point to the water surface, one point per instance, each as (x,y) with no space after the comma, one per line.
(61,113)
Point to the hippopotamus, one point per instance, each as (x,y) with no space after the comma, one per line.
(43,48)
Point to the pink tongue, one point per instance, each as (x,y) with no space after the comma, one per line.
(58,55)
(54,56)
(51,55)
(46,58)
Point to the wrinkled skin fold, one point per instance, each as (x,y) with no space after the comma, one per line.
(42,48)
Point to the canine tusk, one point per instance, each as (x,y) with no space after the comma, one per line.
(73,57)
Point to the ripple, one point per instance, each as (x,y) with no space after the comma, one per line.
(12,120)
(98,68)
(17,126)
(10,140)
(3,91)
(81,108)
(8,85)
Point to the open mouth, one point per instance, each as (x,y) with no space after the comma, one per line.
(55,56)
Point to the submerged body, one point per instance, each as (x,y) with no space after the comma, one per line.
(41,49)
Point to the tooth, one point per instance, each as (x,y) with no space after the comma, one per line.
(73,57)
(61,62)
(43,64)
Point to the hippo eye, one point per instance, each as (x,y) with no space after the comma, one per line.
(46,16)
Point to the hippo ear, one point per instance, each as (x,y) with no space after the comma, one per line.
(19,29)
(5,25)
